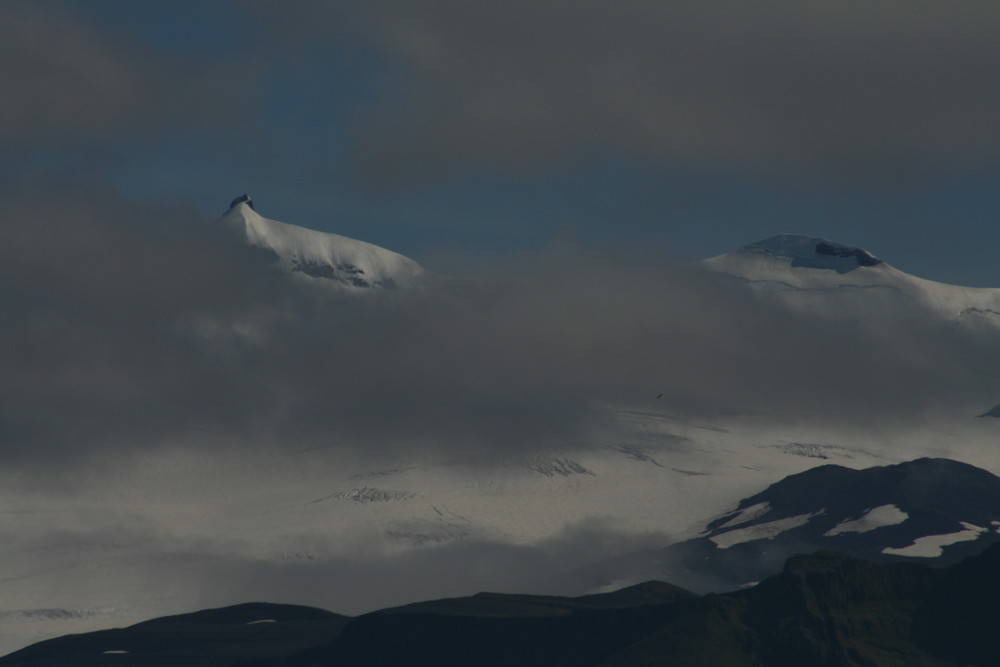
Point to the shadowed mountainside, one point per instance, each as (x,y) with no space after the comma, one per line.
(825,609)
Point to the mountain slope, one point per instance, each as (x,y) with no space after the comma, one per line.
(831,610)
(823,609)
(206,638)
(929,510)
(331,258)
(811,273)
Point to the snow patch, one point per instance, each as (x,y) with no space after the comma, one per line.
(762,531)
(263,620)
(747,514)
(876,517)
(930,546)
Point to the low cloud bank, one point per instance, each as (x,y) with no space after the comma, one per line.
(129,327)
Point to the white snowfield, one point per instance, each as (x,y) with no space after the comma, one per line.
(794,268)
(876,517)
(323,257)
(930,546)
(174,530)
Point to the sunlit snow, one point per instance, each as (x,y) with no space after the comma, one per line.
(792,270)
(331,258)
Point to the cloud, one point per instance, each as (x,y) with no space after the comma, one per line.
(367,578)
(827,87)
(70,81)
(173,407)
(176,571)
(99,292)
(364,581)
(134,327)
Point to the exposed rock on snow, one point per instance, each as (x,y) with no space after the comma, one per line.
(802,251)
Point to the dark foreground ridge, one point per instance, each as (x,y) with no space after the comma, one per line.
(206,638)
(823,609)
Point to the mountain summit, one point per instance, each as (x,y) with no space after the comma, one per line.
(813,253)
(333,259)
(821,277)
(782,252)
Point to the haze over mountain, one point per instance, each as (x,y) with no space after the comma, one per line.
(226,432)
(185,422)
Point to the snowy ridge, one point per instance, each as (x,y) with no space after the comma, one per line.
(786,265)
(332,258)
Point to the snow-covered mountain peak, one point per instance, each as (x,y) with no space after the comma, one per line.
(821,277)
(333,259)
(804,262)
(813,253)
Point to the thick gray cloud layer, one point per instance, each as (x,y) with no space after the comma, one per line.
(132,327)
(825,86)
(72,82)
(139,324)
(875,92)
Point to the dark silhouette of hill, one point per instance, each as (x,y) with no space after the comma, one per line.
(208,638)
(823,610)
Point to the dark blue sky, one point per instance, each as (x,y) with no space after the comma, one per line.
(482,128)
